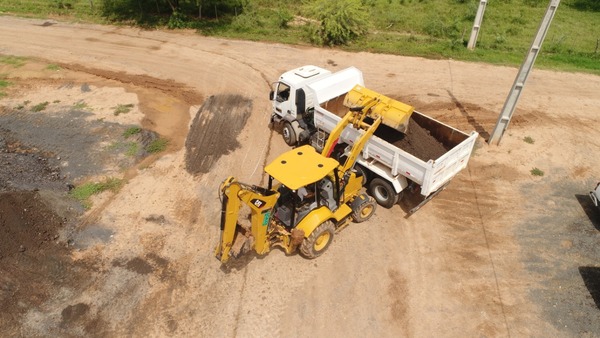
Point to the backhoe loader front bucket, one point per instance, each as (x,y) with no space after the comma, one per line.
(394,114)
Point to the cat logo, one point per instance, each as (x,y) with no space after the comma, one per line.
(258,203)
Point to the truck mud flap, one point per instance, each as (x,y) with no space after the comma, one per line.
(427,199)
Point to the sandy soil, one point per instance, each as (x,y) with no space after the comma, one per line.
(499,253)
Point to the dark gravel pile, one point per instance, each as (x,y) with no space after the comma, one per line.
(417,141)
(24,168)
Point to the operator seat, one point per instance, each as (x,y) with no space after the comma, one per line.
(326,194)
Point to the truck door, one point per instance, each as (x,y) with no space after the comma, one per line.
(283,101)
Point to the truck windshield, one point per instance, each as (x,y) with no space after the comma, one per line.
(283,92)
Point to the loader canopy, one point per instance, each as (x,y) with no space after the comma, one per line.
(299,167)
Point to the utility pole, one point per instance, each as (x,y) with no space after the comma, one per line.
(526,67)
(477,24)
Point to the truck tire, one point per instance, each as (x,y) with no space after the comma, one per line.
(363,209)
(383,192)
(318,241)
(360,171)
(289,134)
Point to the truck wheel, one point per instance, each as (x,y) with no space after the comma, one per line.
(289,135)
(383,192)
(318,241)
(363,211)
(360,171)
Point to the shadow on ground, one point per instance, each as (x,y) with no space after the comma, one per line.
(592,212)
(591,278)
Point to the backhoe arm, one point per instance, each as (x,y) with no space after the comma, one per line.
(260,201)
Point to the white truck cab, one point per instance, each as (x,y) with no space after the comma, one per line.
(297,92)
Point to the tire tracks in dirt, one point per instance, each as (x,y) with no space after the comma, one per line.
(487,243)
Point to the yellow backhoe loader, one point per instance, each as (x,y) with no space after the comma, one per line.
(310,196)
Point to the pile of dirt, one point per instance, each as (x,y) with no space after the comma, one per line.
(32,260)
(26,224)
(214,131)
(26,168)
(417,141)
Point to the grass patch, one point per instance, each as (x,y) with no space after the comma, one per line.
(3,84)
(528,139)
(22,105)
(53,67)
(157,145)
(15,61)
(83,192)
(131,131)
(132,149)
(536,172)
(40,106)
(122,109)
(427,28)
(81,105)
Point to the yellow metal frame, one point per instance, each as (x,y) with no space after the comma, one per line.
(300,166)
(260,203)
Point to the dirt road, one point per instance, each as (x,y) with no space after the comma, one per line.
(499,253)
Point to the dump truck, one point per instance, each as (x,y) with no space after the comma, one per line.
(306,105)
(310,195)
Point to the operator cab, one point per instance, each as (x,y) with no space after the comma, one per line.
(304,184)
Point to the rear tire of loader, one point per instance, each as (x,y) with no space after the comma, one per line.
(383,192)
(289,134)
(318,241)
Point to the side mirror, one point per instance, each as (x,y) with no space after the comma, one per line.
(271,95)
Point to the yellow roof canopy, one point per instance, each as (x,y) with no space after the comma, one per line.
(299,167)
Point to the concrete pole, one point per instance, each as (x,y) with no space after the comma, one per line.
(477,24)
(526,67)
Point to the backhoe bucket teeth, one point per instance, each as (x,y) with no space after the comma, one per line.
(241,245)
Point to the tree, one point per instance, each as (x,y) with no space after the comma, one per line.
(341,21)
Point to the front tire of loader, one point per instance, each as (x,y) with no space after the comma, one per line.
(364,210)
(318,241)
(383,192)
(289,134)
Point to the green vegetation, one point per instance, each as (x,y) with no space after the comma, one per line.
(53,67)
(131,131)
(536,172)
(83,192)
(122,109)
(342,21)
(15,61)
(3,84)
(22,105)
(429,28)
(132,149)
(40,106)
(157,145)
(528,139)
(80,105)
